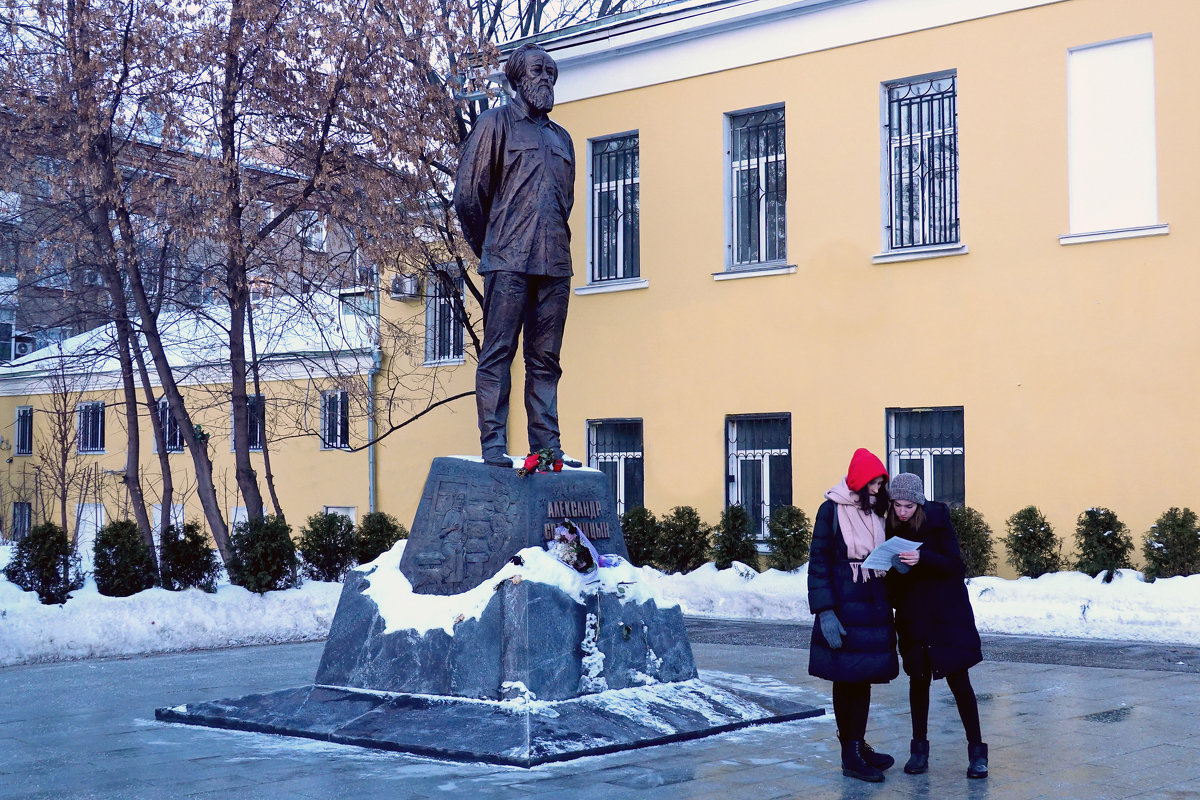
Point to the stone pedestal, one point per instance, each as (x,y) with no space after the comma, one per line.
(473,518)
(532,673)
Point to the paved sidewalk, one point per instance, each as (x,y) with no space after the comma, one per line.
(1056,730)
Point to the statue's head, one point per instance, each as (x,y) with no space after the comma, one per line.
(532,73)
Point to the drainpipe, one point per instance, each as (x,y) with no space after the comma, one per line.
(376,363)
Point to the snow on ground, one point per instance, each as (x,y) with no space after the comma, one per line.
(90,625)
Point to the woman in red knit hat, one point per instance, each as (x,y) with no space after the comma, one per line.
(854,638)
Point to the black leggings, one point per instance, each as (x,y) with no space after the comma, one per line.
(918,701)
(851,704)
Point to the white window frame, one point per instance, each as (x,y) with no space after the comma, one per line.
(350,512)
(172,432)
(924,454)
(1112,161)
(24,419)
(10,208)
(437,303)
(889,140)
(312,230)
(85,427)
(338,423)
(595,458)
(252,399)
(731,169)
(623,277)
(737,456)
(22,518)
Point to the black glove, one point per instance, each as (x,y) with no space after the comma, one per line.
(899,565)
(831,628)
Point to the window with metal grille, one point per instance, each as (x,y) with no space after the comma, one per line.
(615,198)
(255,421)
(170,427)
(24,432)
(615,448)
(22,519)
(89,434)
(335,420)
(443,325)
(310,230)
(758,183)
(922,144)
(929,442)
(758,450)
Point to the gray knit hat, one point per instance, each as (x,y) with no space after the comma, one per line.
(908,487)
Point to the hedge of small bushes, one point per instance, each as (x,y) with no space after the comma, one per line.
(266,557)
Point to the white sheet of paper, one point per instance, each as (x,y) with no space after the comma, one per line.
(881,557)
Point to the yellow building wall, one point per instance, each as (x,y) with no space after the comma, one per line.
(1074,364)
(307,477)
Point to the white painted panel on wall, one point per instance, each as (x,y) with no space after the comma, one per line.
(1111,158)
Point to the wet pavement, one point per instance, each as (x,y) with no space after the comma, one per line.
(1064,718)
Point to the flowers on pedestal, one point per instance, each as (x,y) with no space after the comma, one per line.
(540,461)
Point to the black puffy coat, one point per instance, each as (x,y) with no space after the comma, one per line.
(868,651)
(934,619)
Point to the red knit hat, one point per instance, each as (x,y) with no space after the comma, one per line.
(864,468)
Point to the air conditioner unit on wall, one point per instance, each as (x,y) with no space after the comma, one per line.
(405,287)
(23,346)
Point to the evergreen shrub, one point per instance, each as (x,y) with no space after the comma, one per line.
(789,535)
(683,540)
(974,540)
(640,528)
(263,556)
(1033,549)
(187,560)
(1103,543)
(327,546)
(45,561)
(376,534)
(1172,546)
(123,564)
(733,539)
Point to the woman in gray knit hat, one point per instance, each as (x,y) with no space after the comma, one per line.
(934,621)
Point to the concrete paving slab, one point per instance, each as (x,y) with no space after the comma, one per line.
(85,730)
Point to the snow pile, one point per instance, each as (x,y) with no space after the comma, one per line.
(735,592)
(402,610)
(90,625)
(1080,606)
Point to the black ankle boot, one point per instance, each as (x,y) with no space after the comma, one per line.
(879,761)
(918,762)
(978,755)
(855,765)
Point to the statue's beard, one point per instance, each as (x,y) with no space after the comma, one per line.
(538,95)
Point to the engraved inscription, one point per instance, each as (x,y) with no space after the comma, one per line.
(578,511)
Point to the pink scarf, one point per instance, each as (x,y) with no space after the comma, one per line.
(861,530)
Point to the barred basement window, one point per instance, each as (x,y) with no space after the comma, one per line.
(929,442)
(615,198)
(615,448)
(22,519)
(89,434)
(758,182)
(758,455)
(922,149)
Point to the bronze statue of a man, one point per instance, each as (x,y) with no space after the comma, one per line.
(513,193)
